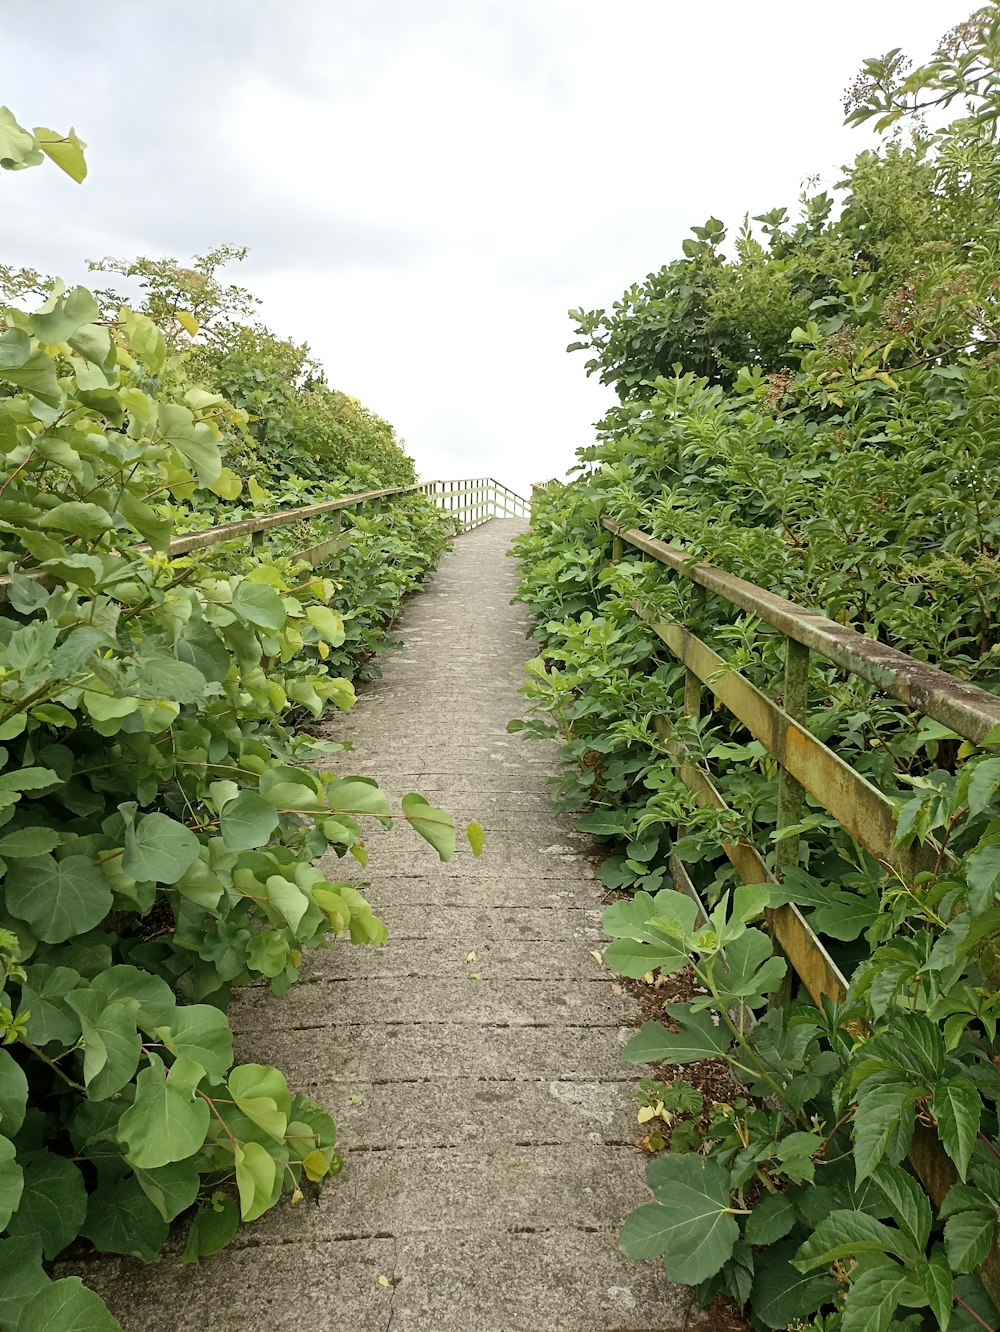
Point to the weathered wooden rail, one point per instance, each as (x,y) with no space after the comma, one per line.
(469,502)
(807,765)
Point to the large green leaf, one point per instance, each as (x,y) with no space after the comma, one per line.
(214,1226)
(752,971)
(433,825)
(43,1001)
(38,376)
(982,874)
(908,1203)
(256,1170)
(61,316)
(874,1297)
(357,795)
(13,1093)
(262,1094)
(158,849)
(691,1223)
(166,1123)
(327,623)
(171,1188)
(11,1181)
(958,1108)
(58,898)
(697,1038)
(933,1276)
(22,1278)
(65,150)
(202,1033)
(152,995)
(15,348)
(79,519)
(967,1239)
(638,946)
(111,1043)
(194,441)
(151,525)
(288,899)
(248,822)
(67,1306)
(165,677)
(258,604)
(780,1294)
(772,1218)
(883,1125)
(846,1233)
(983,782)
(25,843)
(53,1205)
(121,1218)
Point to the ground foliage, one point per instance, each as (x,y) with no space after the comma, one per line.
(160,815)
(816,410)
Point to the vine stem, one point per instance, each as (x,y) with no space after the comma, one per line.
(842,1120)
(77,1086)
(971,1312)
(212,1106)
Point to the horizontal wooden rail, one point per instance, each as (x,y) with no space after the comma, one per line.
(487,490)
(964,708)
(858,806)
(214,536)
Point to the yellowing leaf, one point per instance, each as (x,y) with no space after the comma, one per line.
(383,1281)
(187,321)
(471,958)
(475,835)
(598,957)
(257,492)
(227,485)
(315,1165)
(66,150)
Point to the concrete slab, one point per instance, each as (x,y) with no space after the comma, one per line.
(467,1112)
(511,959)
(469,998)
(320,1287)
(476,923)
(473,1191)
(560,1281)
(406,1052)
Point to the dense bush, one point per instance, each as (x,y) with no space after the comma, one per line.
(159,819)
(818,413)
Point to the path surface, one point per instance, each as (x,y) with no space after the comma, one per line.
(483,1107)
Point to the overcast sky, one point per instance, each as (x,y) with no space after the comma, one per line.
(427,186)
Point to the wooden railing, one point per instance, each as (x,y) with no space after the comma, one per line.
(470,503)
(476,501)
(807,765)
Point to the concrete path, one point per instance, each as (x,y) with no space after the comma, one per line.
(473,1065)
